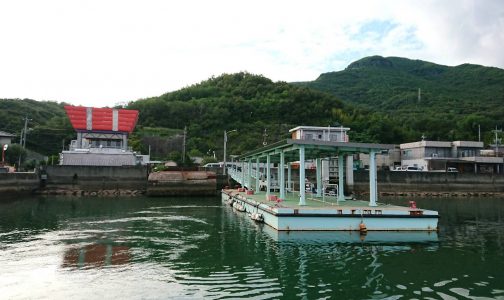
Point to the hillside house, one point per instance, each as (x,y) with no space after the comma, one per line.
(6,138)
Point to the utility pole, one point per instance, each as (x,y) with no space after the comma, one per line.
(224,155)
(479,133)
(22,139)
(225,146)
(184,145)
(497,140)
(25,130)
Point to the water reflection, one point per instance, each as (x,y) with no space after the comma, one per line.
(96,256)
(376,237)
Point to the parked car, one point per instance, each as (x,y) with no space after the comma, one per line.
(399,168)
(413,169)
(452,170)
(213,165)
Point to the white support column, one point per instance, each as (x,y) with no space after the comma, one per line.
(249,174)
(79,140)
(349,172)
(268,176)
(341,177)
(289,177)
(319,177)
(281,178)
(257,175)
(278,175)
(125,141)
(243,173)
(372,179)
(302,198)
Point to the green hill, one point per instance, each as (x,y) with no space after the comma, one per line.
(260,109)
(454,100)
(376,97)
(48,127)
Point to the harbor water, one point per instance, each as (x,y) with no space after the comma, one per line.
(199,248)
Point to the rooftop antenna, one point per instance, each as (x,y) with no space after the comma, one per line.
(265,135)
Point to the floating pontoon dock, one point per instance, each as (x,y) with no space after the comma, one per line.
(293,210)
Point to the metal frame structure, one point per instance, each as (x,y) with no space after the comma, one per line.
(287,151)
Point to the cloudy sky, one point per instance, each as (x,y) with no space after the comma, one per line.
(106,52)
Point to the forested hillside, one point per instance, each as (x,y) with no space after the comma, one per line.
(376,97)
(453,102)
(48,126)
(261,111)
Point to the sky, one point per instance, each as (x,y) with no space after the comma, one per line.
(108,52)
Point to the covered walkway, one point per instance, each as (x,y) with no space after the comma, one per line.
(286,152)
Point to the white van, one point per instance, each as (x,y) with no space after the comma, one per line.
(213,165)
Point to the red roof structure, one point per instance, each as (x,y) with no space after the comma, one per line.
(102,119)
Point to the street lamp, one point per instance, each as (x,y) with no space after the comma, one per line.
(225,142)
(4,148)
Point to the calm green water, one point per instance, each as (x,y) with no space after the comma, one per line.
(132,248)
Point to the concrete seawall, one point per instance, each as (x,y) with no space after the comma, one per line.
(133,180)
(95,180)
(182,183)
(430,183)
(12,184)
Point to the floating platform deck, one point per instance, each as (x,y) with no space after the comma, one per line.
(330,215)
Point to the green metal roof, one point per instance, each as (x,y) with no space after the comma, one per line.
(313,149)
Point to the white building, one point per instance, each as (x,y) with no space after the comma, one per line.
(316,133)
(5,138)
(464,156)
(329,134)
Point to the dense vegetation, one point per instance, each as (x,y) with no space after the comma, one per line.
(261,111)
(454,100)
(48,125)
(377,97)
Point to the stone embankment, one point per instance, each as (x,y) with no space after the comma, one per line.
(182,183)
(93,181)
(12,184)
(136,180)
(426,184)
(91,193)
(125,181)
(435,194)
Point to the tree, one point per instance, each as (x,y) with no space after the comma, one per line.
(14,153)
